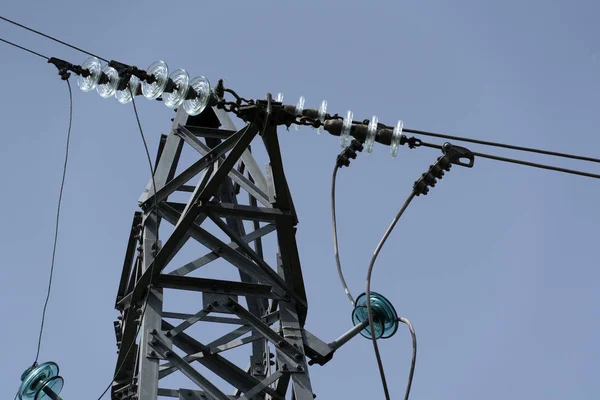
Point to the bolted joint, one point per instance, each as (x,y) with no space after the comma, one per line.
(350,152)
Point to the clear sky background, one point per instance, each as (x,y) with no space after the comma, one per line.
(497,267)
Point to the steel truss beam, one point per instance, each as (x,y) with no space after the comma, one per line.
(271,322)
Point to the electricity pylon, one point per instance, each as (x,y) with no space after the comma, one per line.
(271,322)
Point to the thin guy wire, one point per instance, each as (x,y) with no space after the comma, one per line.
(51,38)
(502,145)
(335,238)
(152,170)
(62,185)
(368,292)
(24,48)
(521,162)
(414,355)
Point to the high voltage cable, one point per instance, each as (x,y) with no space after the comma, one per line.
(502,145)
(413,361)
(521,162)
(62,185)
(414,131)
(152,172)
(368,295)
(335,237)
(24,48)
(52,38)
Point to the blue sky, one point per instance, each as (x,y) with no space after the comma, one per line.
(495,267)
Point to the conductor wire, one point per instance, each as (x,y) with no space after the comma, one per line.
(145,306)
(368,291)
(502,145)
(414,355)
(521,162)
(335,237)
(24,48)
(52,38)
(60,196)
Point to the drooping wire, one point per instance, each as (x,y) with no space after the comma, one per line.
(335,237)
(368,292)
(145,303)
(24,48)
(51,38)
(62,185)
(414,355)
(152,168)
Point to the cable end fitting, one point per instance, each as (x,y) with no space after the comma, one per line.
(343,159)
(452,155)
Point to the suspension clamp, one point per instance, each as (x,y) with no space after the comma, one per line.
(452,155)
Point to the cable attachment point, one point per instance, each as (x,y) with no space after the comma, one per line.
(452,155)
(343,159)
(413,142)
(64,67)
(457,154)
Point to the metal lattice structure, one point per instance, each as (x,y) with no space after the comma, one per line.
(275,298)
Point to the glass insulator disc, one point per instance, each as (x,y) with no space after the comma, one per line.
(299,109)
(109,88)
(201,86)
(321,115)
(124,96)
(385,318)
(89,82)
(54,384)
(34,378)
(160,71)
(181,79)
(371,133)
(396,136)
(346,128)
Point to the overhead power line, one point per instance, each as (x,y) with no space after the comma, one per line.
(60,196)
(414,131)
(502,145)
(51,38)
(24,48)
(521,162)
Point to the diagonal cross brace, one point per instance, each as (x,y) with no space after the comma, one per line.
(234,174)
(161,348)
(264,329)
(204,162)
(207,258)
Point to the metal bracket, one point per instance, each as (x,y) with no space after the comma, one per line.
(457,154)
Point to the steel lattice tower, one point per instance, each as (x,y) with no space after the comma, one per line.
(275,298)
